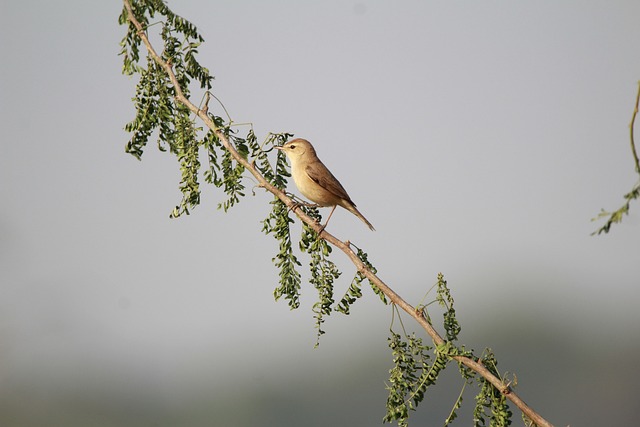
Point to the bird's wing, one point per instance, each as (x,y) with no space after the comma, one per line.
(319,173)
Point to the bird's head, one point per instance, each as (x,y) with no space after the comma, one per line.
(297,148)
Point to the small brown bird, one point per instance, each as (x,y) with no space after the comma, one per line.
(315,181)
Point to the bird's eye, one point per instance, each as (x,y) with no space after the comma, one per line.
(292,146)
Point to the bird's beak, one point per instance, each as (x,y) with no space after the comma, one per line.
(279,147)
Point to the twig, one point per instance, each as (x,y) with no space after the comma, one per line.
(631,126)
(616,216)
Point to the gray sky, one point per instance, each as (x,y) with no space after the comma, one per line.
(478,137)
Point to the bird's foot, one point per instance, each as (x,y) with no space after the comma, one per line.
(297,204)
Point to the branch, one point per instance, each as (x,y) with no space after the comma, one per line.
(344,246)
(615,217)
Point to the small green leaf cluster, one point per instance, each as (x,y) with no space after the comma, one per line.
(351,295)
(277,223)
(232,171)
(490,402)
(157,109)
(355,289)
(616,216)
(275,175)
(415,369)
(144,11)
(444,298)
(413,372)
(323,273)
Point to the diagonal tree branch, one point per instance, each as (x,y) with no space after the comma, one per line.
(344,246)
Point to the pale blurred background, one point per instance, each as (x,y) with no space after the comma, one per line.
(479,138)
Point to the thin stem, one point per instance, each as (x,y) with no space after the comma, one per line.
(631,126)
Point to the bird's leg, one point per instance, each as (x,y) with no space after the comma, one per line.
(328,218)
(293,207)
(297,204)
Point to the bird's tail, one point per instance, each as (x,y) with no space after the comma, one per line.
(352,208)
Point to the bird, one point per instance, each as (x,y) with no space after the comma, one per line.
(315,181)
